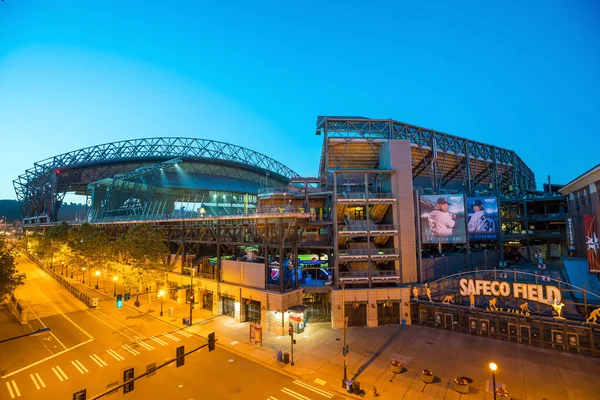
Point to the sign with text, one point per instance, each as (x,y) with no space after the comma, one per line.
(482,218)
(591,242)
(545,294)
(443,218)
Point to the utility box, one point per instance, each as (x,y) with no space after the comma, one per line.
(95,302)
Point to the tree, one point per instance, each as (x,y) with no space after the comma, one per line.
(144,249)
(10,279)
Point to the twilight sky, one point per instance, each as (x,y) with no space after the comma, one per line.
(519,75)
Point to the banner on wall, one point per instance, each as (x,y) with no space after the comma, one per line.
(482,218)
(443,218)
(591,242)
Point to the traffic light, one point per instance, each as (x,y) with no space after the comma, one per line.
(291,330)
(211,341)
(180,356)
(128,376)
(119,300)
(127,296)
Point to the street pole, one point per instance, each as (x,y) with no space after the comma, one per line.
(161,308)
(83,275)
(494,367)
(292,344)
(115,292)
(192,291)
(345,327)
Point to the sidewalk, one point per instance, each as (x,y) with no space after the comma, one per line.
(528,372)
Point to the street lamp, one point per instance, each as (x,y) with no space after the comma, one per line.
(115,280)
(493,367)
(83,275)
(97,277)
(161,295)
(62,268)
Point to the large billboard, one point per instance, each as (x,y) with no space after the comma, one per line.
(482,218)
(591,242)
(443,218)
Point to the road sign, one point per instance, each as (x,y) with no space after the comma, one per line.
(345,350)
(182,287)
(128,376)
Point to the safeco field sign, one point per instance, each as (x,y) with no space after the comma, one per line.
(526,291)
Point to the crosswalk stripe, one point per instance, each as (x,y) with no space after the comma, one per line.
(314,389)
(62,373)
(173,338)
(77,366)
(131,350)
(98,360)
(12,395)
(146,345)
(161,342)
(115,355)
(183,333)
(40,379)
(272,398)
(81,365)
(35,382)
(57,374)
(294,394)
(16,389)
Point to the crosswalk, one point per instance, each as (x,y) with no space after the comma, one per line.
(300,385)
(55,373)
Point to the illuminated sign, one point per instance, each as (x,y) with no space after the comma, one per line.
(527,291)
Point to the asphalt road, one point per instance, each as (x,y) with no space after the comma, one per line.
(91,348)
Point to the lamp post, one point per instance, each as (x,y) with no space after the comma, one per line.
(62,268)
(161,295)
(493,367)
(97,277)
(115,281)
(345,322)
(83,275)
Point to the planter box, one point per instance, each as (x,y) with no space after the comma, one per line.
(461,388)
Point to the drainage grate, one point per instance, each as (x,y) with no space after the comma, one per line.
(428,342)
(403,359)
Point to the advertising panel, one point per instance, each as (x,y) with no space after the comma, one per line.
(482,218)
(443,218)
(591,242)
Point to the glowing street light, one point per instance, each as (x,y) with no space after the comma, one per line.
(83,275)
(161,294)
(493,367)
(97,275)
(115,280)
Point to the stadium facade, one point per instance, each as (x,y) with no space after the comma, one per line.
(402,225)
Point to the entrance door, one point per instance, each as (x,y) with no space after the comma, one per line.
(252,311)
(207,301)
(423,316)
(473,325)
(524,334)
(448,321)
(228,306)
(484,327)
(357,316)
(513,332)
(388,315)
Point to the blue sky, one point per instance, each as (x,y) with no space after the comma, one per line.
(520,75)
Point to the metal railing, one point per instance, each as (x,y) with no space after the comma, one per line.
(365,274)
(363,195)
(369,227)
(364,252)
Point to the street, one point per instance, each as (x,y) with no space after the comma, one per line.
(91,348)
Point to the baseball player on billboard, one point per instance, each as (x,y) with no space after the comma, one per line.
(441,221)
(480,222)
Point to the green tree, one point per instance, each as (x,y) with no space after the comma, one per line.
(143,248)
(9,277)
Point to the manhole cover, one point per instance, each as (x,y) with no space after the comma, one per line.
(428,342)
(338,339)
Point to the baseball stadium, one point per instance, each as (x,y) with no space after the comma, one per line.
(402,225)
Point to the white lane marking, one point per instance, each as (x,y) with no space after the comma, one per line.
(146,345)
(45,359)
(318,391)
(182,333)
(34,381)
(115,355)
(16,388)
(77,366)
(294,394)
(40,379)
(81,365)
(12,395)
(110,326)
(62,372)
(119,323)
(57,374)
(271,398)
(98,360)
(161,342)
(21,300)
(173,338)
(131,350)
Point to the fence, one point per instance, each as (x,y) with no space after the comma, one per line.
(87,300)
(21,314)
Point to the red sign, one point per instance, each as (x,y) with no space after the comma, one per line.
(591,242)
